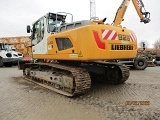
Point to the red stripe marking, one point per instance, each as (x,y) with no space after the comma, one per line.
(108,34)
(98,41)
(131,37)
(114,36)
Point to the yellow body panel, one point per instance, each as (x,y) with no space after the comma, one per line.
(93,42)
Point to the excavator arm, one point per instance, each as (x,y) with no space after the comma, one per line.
(144,16)
(138,4)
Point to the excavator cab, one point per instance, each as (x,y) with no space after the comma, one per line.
(44,27)
(53,20)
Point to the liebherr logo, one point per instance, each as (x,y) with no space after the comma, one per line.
(112,35)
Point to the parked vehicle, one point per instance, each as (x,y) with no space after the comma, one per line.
(157,60)
(8,57)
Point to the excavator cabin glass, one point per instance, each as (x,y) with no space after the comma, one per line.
(38,31)
(54,21)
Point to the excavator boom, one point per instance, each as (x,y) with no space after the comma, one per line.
(138,4)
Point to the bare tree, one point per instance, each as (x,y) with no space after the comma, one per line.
(143,44)
(156,44)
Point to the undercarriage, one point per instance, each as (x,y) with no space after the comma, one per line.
(72,80)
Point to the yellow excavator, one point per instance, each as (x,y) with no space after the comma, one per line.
(78,51)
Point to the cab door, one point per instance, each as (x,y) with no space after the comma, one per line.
(39,42)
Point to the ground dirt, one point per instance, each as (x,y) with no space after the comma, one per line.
(137,99)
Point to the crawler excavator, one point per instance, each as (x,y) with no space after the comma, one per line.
(78,50)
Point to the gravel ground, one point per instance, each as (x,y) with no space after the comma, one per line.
(137,99)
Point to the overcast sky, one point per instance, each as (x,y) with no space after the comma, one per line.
(15,15)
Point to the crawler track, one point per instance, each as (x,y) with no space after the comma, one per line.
(69,81)
(114,73)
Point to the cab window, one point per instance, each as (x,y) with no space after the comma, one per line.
(38,31)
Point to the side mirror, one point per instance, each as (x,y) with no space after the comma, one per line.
(28,29)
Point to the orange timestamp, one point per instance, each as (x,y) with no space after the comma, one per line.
(137,103)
